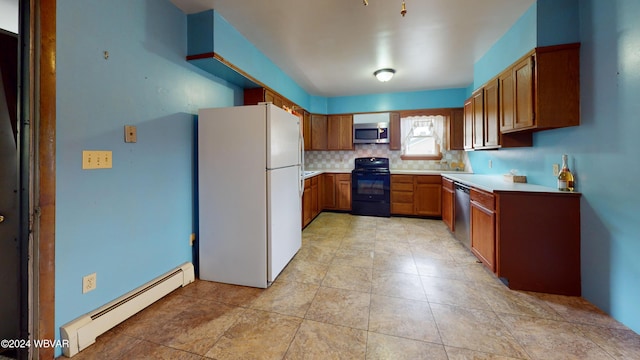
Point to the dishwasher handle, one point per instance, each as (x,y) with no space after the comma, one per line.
(462,187)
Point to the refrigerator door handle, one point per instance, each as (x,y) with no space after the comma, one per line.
(301,147)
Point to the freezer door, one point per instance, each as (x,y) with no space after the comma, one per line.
(283,135)
(284,214)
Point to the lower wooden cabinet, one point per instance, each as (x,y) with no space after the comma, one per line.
(448,203)
(483,238)
(416,195)
(336,191)
(402,194)
(310,199)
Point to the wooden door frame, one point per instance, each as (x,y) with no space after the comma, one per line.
(42,109)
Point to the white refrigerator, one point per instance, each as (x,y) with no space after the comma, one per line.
(249,193)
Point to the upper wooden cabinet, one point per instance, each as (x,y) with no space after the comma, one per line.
(478,118)
(318,132)
(468,124)
(305,117)
(258,95)
(340,132)
(456,130)
(394,131)
(541,90)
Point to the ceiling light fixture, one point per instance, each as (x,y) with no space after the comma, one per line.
(384,75)
(403,9)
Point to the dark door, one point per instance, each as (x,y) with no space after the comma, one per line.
(9,218)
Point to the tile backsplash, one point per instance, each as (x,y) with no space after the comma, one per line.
(344,159)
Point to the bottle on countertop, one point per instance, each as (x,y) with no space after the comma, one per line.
(565,177)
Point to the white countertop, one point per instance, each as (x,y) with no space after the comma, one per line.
(311,173)
(492,183)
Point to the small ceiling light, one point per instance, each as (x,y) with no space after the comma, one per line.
(403,11)
(384,75)
(365,2)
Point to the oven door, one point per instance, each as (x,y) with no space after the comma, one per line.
(370,186)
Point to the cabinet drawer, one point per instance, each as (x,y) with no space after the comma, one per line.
(428,179)
(402,186)
(447,184)
(402,197)
(483,198)
(402,179)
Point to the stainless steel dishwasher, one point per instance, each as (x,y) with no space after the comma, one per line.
(462,214)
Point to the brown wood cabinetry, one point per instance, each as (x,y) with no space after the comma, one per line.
(428,195)
(402,194)
(311,199)
(491,136)
(340,132)
(448,203)
(416,195)
(483,240)
(468,124)
(318,132)
(530,240)
(336,192)
(542,90)
(305,117)
(456,130)
(258,95)
(478,118)
(343,191)
(538,241)
(395,141)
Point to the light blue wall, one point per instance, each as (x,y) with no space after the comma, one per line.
(130,223)
(431,99)
(210,32)
(603,154)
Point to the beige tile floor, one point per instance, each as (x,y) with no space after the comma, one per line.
(370,288)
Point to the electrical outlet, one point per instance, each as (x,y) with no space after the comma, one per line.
(556,169)
(89,283)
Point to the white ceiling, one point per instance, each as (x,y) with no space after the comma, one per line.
(332,47)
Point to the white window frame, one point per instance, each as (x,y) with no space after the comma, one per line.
(436,133)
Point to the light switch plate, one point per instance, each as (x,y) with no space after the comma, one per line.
(96,159)
(130,134)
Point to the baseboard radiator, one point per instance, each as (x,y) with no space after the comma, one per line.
(83,331)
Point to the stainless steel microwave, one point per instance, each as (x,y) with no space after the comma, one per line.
(371,133)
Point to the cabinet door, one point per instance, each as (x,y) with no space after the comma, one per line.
(428,195)
(523,86)
(491,121)
(343,191)
(507,100)
(468,124)
(478,119)
(483,239)
(340,132)
(306,203)
(306,129)
(448,203)
(456,130)
(329,191)
(315,202)
(395,132)
(318,132)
